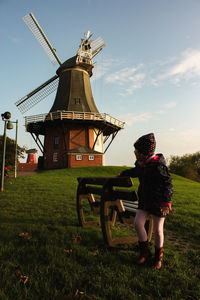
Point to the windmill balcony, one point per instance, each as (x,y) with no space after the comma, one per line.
(73,115)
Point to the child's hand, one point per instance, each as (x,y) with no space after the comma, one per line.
(166,210)
(119,175)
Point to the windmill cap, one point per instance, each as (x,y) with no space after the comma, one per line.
(31,151)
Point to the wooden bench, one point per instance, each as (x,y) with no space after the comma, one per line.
(107,196)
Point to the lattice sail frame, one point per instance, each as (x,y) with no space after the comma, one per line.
(97,46)
(37,95)
(34,26)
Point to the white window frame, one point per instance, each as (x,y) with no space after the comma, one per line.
(79,157)
(55,157)
(91,157)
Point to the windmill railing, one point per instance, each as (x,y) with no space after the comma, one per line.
(73,115)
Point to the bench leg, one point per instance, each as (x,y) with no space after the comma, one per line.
(150,227)
(80,210)
(106,224)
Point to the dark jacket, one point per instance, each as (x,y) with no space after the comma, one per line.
(155,188)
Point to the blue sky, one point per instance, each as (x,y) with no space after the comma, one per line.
(148,75)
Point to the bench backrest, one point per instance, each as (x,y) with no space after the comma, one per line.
(104,185)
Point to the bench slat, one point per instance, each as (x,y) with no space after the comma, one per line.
(92,180)
(125,195)
(114,181)
(130,203)
(93,190)
(131,207)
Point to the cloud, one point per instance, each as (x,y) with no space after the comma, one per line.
(131,118)
(123,75)
(165,107)
(161,112)
(186,68)
(102,66)
(137,83)
(170,104)
(100,70)
(129,79)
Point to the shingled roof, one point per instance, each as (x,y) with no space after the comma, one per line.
(83,150)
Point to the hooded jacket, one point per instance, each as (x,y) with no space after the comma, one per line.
(155,189)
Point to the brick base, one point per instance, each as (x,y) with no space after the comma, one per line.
(85,162)
(27,167)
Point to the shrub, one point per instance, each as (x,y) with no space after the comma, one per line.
(187,166)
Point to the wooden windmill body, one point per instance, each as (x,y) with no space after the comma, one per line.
(74,132)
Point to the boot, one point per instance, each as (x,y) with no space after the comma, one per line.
(158,258)
(144,252)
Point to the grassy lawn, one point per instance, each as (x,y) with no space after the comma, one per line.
(41,258)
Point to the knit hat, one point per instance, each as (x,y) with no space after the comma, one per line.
(146,144)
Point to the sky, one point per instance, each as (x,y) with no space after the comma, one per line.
(148,75)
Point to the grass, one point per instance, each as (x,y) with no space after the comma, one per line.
(59,267)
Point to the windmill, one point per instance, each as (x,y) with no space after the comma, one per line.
(73,133)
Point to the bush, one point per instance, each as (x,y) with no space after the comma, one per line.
(10,151)
(187,166)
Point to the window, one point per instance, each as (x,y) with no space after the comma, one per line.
(56,142)
(77,101)
(91,157)
(55,157)
(78,157)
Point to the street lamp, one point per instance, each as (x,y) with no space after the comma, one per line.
(16,134)
(7,125)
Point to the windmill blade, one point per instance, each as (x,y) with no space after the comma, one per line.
(37,95)
(34,26)
(97,46)
(88,35)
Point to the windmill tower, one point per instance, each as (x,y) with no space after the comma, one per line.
(73,133)
(31,158)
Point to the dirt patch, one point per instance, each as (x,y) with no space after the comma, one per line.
(177,242)
(24,173)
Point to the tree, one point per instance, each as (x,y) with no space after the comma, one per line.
(10,151)
(187,165)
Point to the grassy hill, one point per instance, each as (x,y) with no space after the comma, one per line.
(56,266)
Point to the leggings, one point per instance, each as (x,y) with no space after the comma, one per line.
(158,226)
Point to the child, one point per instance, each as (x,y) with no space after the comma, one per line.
(154,193)
(6,172)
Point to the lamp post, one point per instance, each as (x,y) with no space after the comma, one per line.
(16,134)
(7,125)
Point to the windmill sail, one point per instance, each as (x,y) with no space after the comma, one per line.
(34,26)
(97,46)
(37,95)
